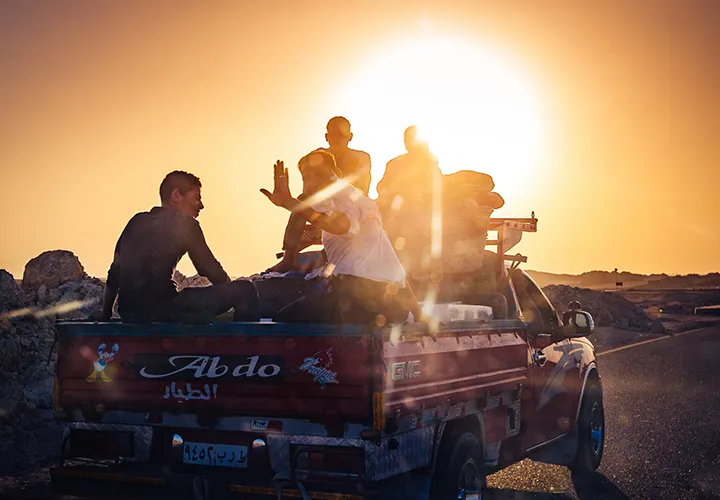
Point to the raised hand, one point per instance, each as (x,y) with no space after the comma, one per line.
(281,190)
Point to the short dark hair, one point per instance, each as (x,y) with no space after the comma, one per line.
(327,159)
(184,181)
(411,133)
(339,123)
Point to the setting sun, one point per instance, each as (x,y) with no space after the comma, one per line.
(360,249)
(476,109)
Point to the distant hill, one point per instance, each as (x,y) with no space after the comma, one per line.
(605,280)
(599,280)
(690,281)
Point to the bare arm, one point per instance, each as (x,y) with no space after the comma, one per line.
(384,187)
(364,175)
(108,302)
(112,285)
(294,231)
(336,222)
(291,242)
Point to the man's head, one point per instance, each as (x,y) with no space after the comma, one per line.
(180,191)
(318,170)
(413,141)
(338,132)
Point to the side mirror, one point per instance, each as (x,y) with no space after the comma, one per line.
(578,324)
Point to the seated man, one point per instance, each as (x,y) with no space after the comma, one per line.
(353,165)
(364,276)
(147,252)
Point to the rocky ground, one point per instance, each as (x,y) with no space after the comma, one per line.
(608,309)
(55,286)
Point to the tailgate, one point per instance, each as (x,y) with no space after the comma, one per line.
(224,369)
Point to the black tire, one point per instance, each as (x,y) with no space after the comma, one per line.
(590,432)
(462,467)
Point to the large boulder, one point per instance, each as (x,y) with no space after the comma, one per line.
(73,300)
(52,269)
(11,300)
(55,286)
(28,434)
(25,382)
(11,295)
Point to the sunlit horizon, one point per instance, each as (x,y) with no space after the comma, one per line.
(582,113)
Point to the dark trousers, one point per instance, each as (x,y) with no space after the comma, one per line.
(202,305)
(349,299)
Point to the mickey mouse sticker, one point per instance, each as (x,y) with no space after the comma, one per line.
(101,363)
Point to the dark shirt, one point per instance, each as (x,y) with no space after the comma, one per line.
(147,253)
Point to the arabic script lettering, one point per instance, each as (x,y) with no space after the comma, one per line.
(176,392)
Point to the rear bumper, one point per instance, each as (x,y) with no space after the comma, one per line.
(140,483)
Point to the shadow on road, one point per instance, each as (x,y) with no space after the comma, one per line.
(504,494)
(594,487)
(597,486)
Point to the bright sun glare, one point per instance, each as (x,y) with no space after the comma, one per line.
(474,107)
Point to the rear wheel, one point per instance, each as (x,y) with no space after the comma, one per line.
(462,469)
(591,432)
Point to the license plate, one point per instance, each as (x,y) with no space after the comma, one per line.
(220,455)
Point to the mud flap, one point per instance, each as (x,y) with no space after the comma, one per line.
(201,488)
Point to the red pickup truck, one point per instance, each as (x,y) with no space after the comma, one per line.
(330,411)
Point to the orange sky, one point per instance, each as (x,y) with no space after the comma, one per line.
(99,100)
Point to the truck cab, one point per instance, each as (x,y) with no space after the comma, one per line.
(331,410)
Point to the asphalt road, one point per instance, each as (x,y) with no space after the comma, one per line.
(662,410)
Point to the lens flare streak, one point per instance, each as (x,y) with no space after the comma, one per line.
(60,308)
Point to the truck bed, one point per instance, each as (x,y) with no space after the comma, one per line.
(277,370)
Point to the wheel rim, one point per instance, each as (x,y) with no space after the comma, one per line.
(469,480)
(597,428)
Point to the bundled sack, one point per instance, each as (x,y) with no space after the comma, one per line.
(468,203)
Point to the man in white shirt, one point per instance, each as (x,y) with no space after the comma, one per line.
(352,165)
(365,276)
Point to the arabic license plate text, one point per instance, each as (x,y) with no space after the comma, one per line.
(221,455)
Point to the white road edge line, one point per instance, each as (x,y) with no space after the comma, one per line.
(636,344)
